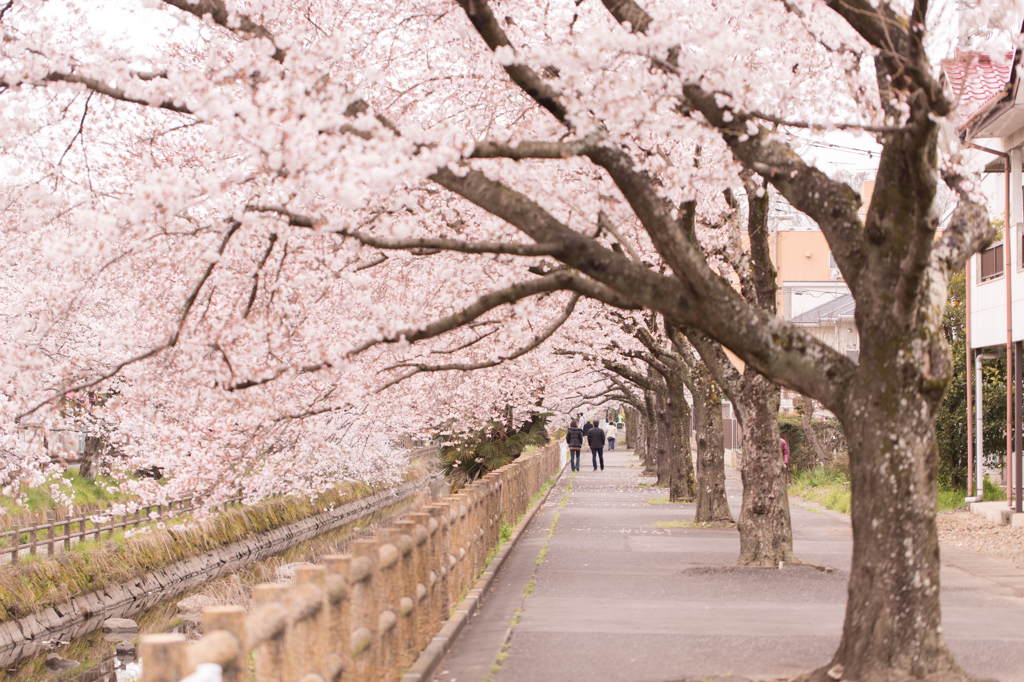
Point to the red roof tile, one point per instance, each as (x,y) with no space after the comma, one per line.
(976,81)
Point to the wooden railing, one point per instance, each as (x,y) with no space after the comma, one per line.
(46,536)
(366,615)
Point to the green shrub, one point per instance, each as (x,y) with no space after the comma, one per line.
(468,455)
(993,492)
(831,489)
(801,453)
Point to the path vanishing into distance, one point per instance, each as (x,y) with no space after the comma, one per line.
(595,591)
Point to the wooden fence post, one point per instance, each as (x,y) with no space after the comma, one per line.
(403,592)
(388,598)
(365,616)
(271,654)
(479,529)
(229,619)
(439,560)
(308,630)
(339,618)
(411,572)
(456,550)
(425,578)
(163,657)
(454,566)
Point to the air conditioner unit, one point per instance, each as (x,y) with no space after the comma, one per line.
(835,274)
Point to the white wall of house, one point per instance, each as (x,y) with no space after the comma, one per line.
(841,334)
(988,298)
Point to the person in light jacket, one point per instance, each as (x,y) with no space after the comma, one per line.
(610,431)
(595,438)
(574,439)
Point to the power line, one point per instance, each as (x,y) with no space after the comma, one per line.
(871,154)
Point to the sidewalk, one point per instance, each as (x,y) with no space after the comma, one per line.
(612,597)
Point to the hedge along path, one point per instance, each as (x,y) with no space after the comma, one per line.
(85,612)
(365,615)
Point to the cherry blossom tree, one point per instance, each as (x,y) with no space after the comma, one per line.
(283,207)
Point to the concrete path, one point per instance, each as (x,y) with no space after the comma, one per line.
(595,591)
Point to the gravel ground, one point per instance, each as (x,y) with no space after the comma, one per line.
(975,533)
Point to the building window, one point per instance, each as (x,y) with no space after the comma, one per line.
(832,261)
(992,262)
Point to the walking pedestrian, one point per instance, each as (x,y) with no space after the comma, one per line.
(596,438)
(784,446)
(574,439)
(586,428)
(610,433)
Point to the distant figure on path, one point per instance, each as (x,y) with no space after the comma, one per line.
(785,458)
(586,428)
(610,431)
(574,439)
(595,438)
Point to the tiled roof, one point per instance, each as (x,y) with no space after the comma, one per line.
(976,81)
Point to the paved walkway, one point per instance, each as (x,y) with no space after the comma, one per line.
(595,591)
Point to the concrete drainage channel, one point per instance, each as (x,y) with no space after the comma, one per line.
(35,633)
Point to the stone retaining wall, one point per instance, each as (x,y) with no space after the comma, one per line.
(85,613)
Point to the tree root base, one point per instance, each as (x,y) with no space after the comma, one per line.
(836,673)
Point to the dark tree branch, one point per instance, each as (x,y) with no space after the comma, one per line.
(218,12)
(484,21)
(463,346)
(556,281)
(100,87)
(718,363)
(429,246)
(531,149)
(81,129)
(417,368)
(833,205)
(171,341)
(764,274)
(256,274)
(373,262)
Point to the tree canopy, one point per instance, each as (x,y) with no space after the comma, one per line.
(290,231)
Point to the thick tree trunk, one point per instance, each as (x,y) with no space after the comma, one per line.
(812,438)
(712,504)
(631,429)
(651,435)
(892,627)
(766,532)
(663,439)
(681,484)
(91,457)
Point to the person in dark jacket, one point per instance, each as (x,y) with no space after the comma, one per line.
(574,439)
(586,429)
(595,438)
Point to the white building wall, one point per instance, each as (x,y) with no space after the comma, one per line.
(988,299)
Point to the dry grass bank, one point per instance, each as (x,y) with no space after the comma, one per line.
(34,585)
